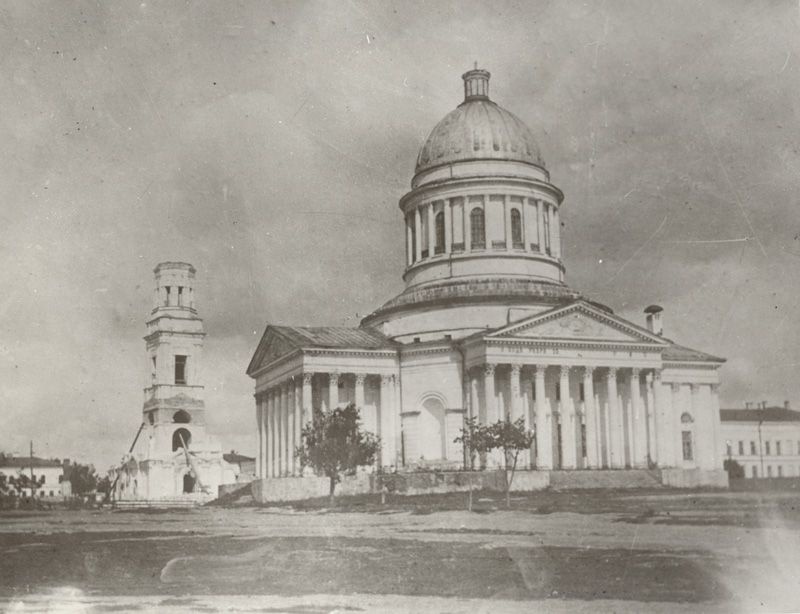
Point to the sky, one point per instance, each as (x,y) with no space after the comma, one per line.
(268,143)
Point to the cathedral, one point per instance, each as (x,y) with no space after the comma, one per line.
(487,327)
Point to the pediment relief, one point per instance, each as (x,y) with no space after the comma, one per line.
(578,323)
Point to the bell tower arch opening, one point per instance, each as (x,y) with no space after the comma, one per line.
(181,438)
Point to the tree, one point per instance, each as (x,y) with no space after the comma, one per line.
(734,469)
(82,478)
(334,444)
(510,437)
(23,481)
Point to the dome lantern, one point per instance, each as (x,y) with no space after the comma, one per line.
(476,84)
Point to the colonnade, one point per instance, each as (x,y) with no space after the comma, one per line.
(589,417)
(482,222)
(283,409)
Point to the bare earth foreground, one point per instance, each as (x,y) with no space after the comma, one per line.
(629,551)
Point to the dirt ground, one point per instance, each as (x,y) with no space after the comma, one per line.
(630,551)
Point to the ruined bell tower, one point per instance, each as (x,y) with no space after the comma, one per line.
(174,392)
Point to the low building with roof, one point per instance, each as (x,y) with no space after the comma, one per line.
(54,484)
(487,328)
(765,441)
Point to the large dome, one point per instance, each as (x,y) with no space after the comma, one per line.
(478,129)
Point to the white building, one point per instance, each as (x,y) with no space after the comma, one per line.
(487,327)
(173,456)
(765,441)
(50,471)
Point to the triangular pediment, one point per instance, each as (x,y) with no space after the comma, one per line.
(273,345)
(579,321)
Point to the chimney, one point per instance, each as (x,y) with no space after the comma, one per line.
(786,405)
(654,323)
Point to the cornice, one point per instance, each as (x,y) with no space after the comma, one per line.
(480,182)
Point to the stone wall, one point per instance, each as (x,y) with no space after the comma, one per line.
(418,483)
(694,478)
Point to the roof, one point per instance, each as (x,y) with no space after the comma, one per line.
(517,291)
(335,337)
(679,353)
(279,341)
(27,461)
(769,414)
(479,129)
(233,457)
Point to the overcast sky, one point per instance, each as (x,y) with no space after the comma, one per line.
(268,144)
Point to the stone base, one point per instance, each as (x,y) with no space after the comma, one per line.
(694,478)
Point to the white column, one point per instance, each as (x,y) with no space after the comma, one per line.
(490,399)
(663,400)
(279,422)
(333,390)
(616,425)
(418,234)
(467,221)
(409,241)
(292,424)
(716,457)
(555,222)
(544,432)
(652,449)
(516,401)
(431,231)
(590,418)
(308,405)
(271,432)
(567,417)
(507,221)
(298,420)
(368,419)
(397,407)
(386,421)
(448,225)
(639,422)
(540,205)
(259,426)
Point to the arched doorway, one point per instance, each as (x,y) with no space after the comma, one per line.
(179,437)
(188,482)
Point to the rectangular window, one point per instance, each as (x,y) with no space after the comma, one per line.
(754,471)
(777,448)
(558,391)
(766,448)
(729,449)
(686,439)
(769,471)
(780,471)
(180,296)
(753,448)
(180,369)
(581,392)
(741,448)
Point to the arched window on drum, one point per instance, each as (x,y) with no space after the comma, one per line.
(517,240)
(477,228)
(439,227)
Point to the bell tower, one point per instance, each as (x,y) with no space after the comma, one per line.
(174,410)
